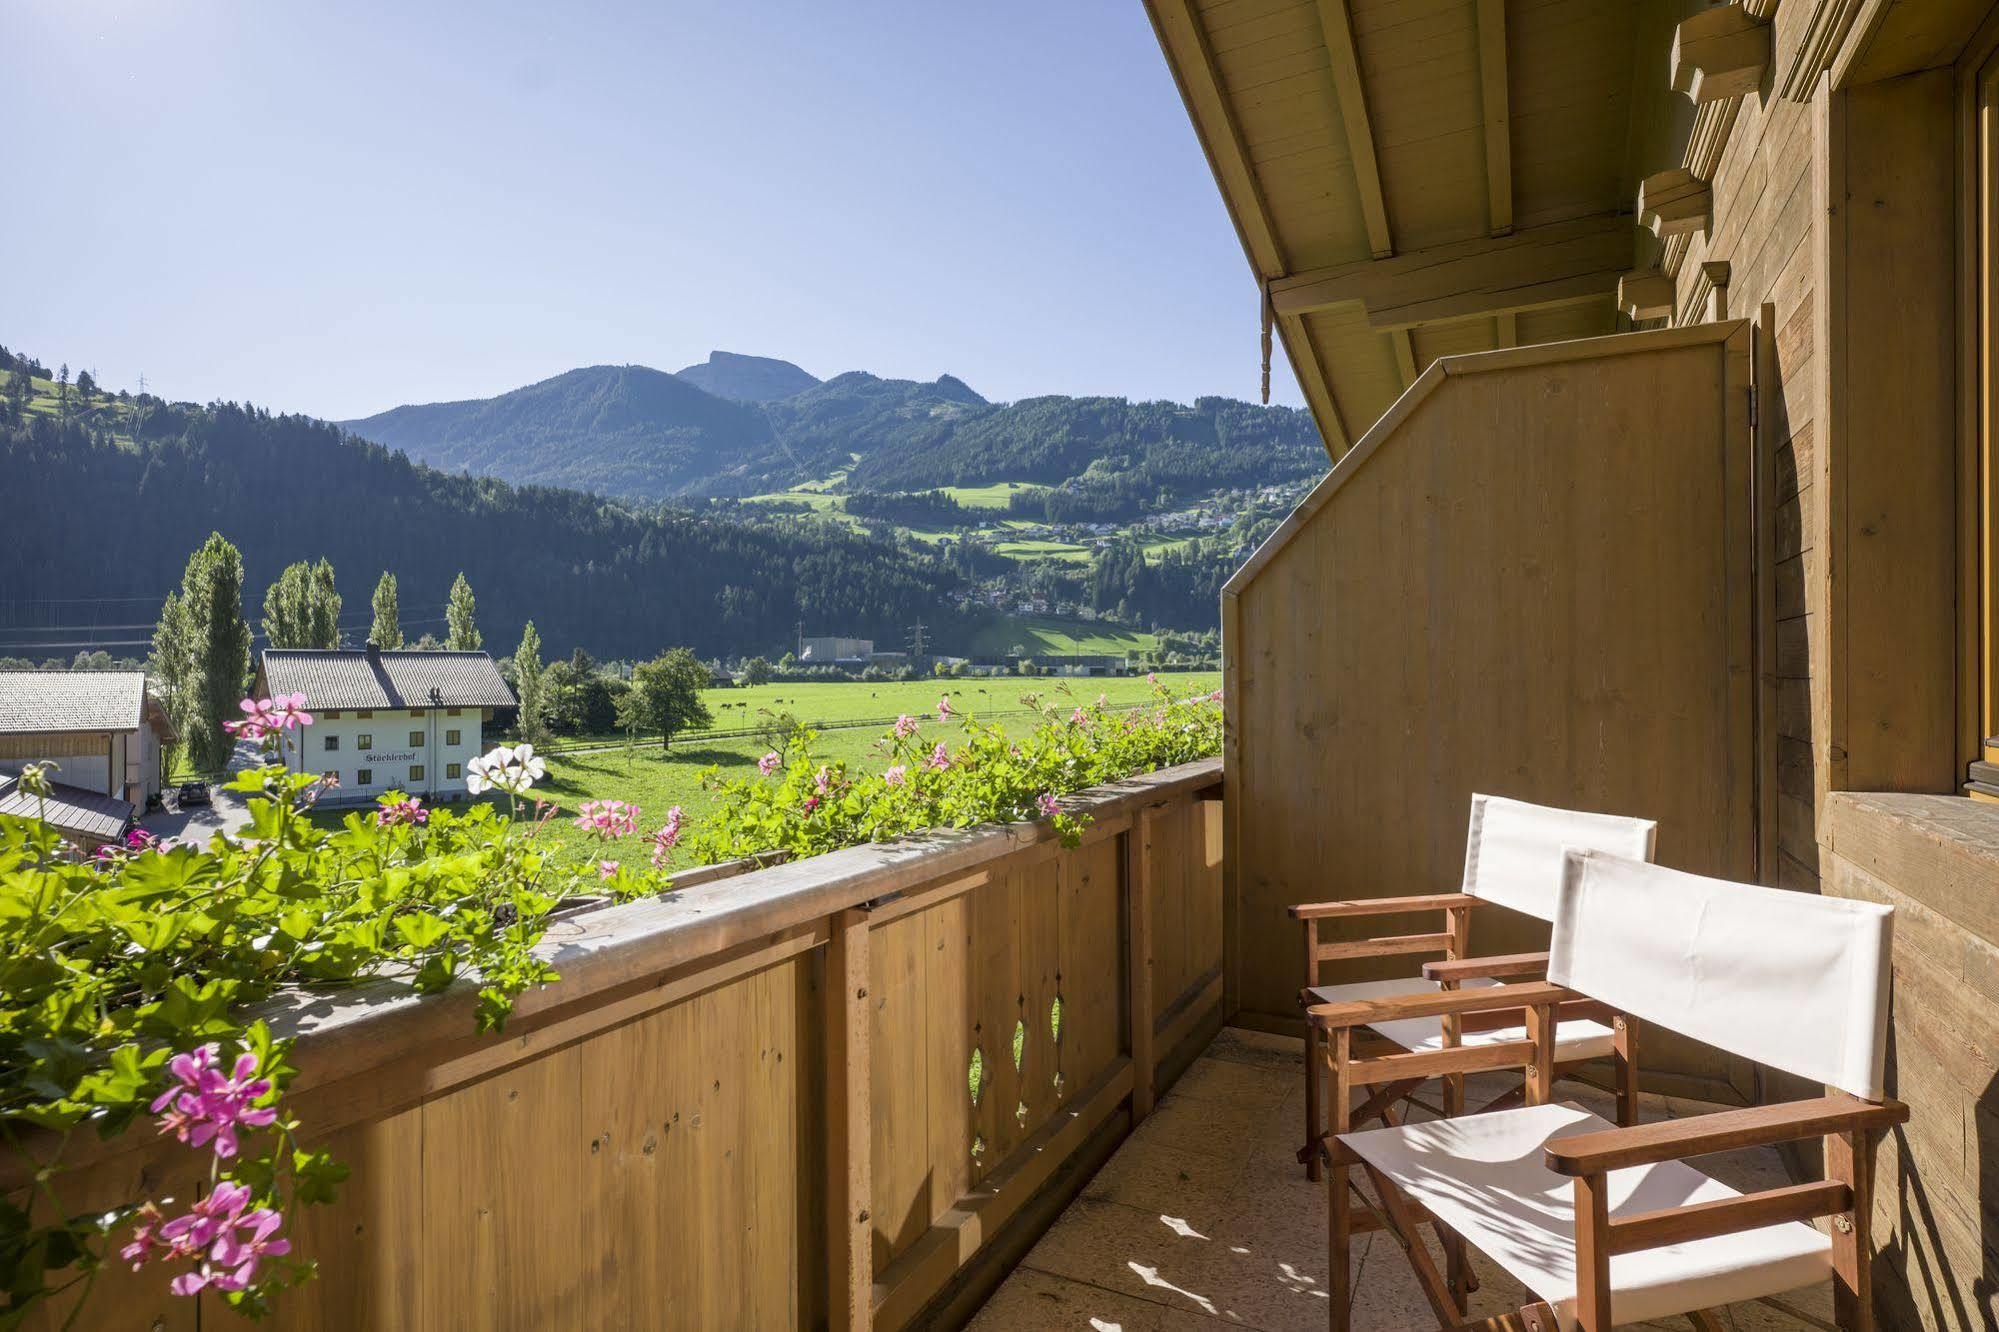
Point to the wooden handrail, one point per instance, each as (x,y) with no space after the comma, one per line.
(1760,1126)
(1500,966)
(1365,1012)
(1381,906)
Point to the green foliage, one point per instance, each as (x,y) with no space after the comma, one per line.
(618,579)
(808,805)
(758,671)
(666,696)
(214,652)
(302,609)
(465,636)
(108,967)
(529,685)
(387,630)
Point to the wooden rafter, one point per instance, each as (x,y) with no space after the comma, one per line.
(1498,116)
(1405,355)
(1184,41)
(1551,265)
(1337,27)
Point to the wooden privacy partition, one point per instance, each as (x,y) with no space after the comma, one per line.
(1532,577)
(752,1104)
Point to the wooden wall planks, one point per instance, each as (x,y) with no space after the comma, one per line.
(1458,609)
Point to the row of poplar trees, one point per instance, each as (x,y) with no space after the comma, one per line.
(201,647)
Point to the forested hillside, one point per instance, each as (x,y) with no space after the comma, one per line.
(109,503)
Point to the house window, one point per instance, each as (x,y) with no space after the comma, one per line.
(451,712)
(451,737)
(365,777)
(333,743)
(416,772)
(365,740)
(416,737)
(416,712)
(365,715)
(329,715)
(452,772)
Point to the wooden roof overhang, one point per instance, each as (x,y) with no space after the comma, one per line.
(1416,178)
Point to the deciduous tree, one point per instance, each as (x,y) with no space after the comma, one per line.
(387,631)
(666,696)
(529,685)
(465,635)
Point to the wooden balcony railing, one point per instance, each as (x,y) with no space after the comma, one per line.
(840,1091)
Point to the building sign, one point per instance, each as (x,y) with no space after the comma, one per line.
(408,756)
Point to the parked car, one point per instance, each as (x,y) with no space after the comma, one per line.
(193,793)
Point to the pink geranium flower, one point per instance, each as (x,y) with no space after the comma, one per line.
(286,711)
(940,758)
(1047,804)
(944,708)
(408,810)
(822,781)
(609,819)
(208,1106)
(896,776)
(669,833)
(905,726)
(607,870)
(229,1240)
(770,763)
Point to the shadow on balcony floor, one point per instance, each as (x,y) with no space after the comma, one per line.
(1204,1219)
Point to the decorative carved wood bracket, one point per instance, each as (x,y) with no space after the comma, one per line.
(1675,203)
(1646,294)
(1720,52)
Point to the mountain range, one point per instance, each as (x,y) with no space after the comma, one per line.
(744,425)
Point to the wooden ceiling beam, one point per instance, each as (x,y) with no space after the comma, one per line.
(1498,116)
(1336,25)
(1549,265)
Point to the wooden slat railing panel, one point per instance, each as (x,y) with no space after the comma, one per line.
(652,1147)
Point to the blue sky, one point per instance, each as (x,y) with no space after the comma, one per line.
(338,208)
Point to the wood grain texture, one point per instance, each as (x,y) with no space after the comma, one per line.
(1460,587)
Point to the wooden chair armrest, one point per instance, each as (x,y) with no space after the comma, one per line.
(1726,1130)
(1503,966)
(1364,1012)
(1381,906)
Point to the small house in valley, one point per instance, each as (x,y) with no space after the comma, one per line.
(103,731)
(387,721)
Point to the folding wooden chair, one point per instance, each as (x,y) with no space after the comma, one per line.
(1513,859)
(1607,1225)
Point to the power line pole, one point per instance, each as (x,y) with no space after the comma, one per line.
(916,640)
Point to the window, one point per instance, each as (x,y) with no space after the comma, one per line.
(416,712)
(328,715)
(333,743)
(366,740)
(451,737)
(416,772)
(365,715)
(365,777)
(453,772)
(451,712)
(416,737)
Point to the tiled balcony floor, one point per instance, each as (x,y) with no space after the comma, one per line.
(1205,1219)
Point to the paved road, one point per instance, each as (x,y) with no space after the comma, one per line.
(198,823)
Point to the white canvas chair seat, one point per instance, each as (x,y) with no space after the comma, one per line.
(1483,1177)
(1575,1039)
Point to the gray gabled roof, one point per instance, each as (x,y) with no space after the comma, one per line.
(343,678)
(70,808)
(38,702)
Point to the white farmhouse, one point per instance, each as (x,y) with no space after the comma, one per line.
(387,721)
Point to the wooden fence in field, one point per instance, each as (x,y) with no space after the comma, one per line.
(843,1091)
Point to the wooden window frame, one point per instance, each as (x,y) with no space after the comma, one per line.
(364,777)
(416,772)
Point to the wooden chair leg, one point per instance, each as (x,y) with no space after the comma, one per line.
(1532,1318)
(1404,1221)
(1849,1158)
(1314,1121)
(1704,1321)
(1339,1219)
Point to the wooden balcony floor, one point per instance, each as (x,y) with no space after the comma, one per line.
(1204,1219)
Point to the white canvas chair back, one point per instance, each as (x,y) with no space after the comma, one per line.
(1791,980)
(1513,855)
